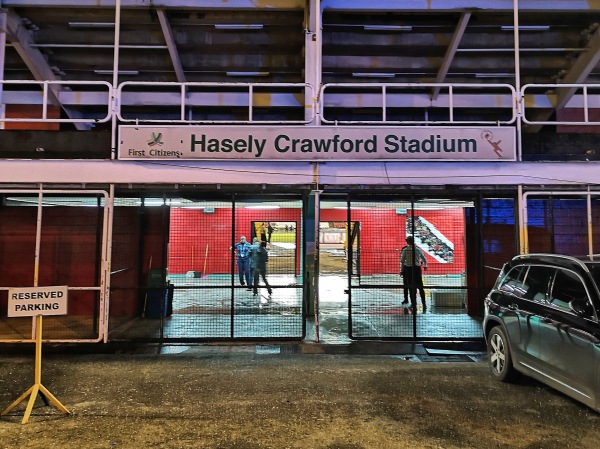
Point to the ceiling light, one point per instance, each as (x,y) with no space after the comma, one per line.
(239,26)
(494,75)
(247,73)
(120,72)
(387,28)
(92,24)
(263,206)
(373,75)
(526,27)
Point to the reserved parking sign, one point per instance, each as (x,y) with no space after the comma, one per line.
(34,301)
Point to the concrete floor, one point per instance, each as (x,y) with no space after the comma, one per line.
(202,310)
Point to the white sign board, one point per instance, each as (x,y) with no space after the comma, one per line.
(34,301)
(317,143)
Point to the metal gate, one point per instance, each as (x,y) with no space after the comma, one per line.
(179,274)
(561,223)
(55,237)
(454,236)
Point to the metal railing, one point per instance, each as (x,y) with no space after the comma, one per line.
(410,104)
(189,103)
(438,103)
(58,94)
(579,97)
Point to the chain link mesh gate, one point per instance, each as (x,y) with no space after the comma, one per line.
(179,278)
(452,234)
(72,248)
(562,223)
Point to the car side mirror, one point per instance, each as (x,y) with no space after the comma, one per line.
(580,306)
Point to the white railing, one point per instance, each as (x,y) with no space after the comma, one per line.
(58,94)
(410,104)
(185,103)
(579,98)
(437,103)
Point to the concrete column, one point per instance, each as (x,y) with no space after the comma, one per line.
(2,53)
(312,58)
(311,251)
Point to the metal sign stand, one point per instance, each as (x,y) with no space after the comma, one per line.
(37,387)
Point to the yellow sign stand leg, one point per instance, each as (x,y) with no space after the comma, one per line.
(37,388)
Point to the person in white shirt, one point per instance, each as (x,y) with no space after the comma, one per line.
(412,259)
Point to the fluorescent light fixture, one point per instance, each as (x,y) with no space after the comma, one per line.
(494,75)
(263,206)
(158,202)
(428,207)
(387,28)
(526,27)
(239,26)
(373,75)
(247,73)
(120,72)
(92,24)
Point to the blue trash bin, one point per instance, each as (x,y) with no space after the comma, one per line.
(157,303)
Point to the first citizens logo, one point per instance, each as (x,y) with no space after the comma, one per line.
(155,140)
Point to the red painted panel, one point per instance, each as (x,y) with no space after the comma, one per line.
(31,111)
(383,234)
(200,241)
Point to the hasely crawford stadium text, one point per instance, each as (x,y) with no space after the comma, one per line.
(285,144)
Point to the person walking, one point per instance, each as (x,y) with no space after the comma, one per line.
(412,259)
(270,230)
(261,268)
(254,256)
(243,261)
(263,232)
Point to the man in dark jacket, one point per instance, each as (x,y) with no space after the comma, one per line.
(412,259)
(261,268)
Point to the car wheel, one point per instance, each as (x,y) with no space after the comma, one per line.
(499,357)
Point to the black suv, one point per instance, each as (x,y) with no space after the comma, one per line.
(541,319)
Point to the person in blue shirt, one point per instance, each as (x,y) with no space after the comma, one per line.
(243,249)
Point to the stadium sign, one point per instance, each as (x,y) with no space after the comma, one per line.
(321,143)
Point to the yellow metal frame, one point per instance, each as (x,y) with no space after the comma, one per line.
(37,387)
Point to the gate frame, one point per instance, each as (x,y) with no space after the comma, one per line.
(104,260)
(524,235)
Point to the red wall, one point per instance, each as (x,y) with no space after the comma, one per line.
(577,115)
(202,240)
(199,239)
(31,111)
(383,235)
(69,251)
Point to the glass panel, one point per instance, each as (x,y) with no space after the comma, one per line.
(566,287)
(537,283)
